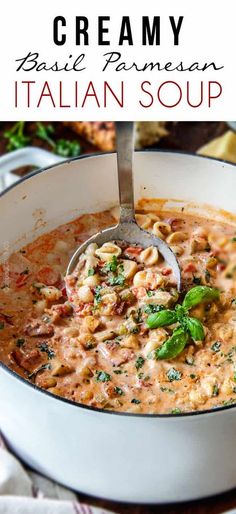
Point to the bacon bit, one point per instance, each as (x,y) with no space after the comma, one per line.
(36,329)
(120,307)
(166,271)
(63,310)
(48,276)
(133,250)
(6,318)
(84,309)
(28,361)
(190,268)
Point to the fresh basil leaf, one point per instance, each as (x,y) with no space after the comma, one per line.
(161,319)
(172,346)
(195,328)
(200,294)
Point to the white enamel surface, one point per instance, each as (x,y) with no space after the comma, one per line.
(138,459)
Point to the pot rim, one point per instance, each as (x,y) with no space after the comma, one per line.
(81,405)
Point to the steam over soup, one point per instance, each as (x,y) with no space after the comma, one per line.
(125,339)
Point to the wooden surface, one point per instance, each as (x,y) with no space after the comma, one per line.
(186,136)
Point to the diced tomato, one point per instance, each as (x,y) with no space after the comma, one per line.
(48,276)
(21,280)
(221,266)
(166,271)
(133,250)
(139,292)
(190,268)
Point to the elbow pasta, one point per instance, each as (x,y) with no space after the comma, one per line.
(93,345)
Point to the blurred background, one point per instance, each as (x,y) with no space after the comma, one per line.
(71,139)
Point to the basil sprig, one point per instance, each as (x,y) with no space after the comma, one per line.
(200,294)
(186,326)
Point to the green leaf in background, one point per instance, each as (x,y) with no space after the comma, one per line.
(161,319)
(16,137)
(198,295)
(67,148)
(172,346)
(195,328)
(45,132)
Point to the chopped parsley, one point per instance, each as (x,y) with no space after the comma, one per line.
(1,325)
(215,391)
(139,362)
(174,374)
(97,295)
(233,240)
(20,341)
(119,391)
(216,347)
(118,280)
(136,401)
(102,376)
(150,293)
(152,307)
(192,376)
(176,411)
(111,265)
(166,390)
(197,280)
(44,348)
(118,371)
(91,272)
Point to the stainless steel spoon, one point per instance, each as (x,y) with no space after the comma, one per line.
(127,229)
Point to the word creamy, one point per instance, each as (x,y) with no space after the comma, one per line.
(149,33)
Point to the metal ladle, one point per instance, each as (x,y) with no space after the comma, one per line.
(127,229)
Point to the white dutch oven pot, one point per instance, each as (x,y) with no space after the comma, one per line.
(124,457)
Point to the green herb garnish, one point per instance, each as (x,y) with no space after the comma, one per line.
(173,374)
(136,401)
(97,294)
(139,362)
(91,272)
(20,341)
(151,308)
(215,391)
(45,348)
(216,346)
(1,325)
(16,137)
(186,326)
(118,280)
(67,148)
(112,265)
(102,376)
(119,391)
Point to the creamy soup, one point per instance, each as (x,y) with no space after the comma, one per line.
(124,338)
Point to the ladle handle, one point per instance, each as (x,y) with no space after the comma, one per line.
(125,151)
